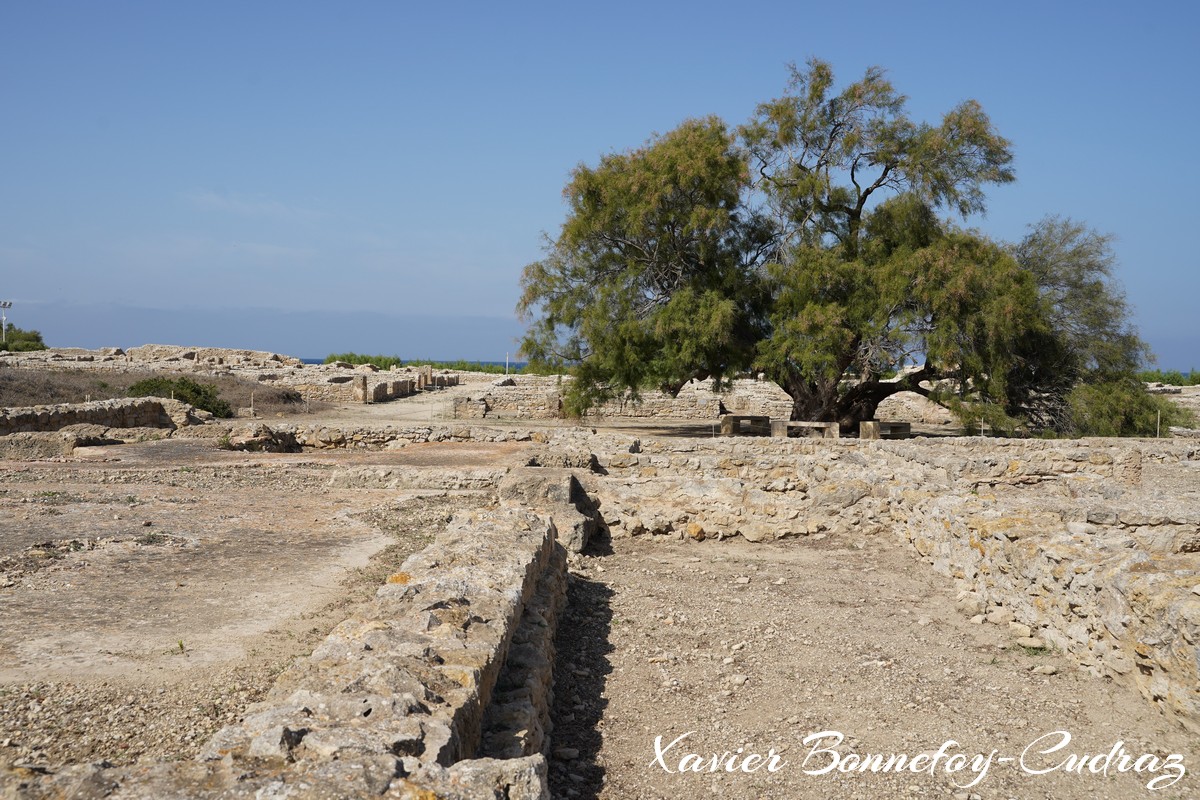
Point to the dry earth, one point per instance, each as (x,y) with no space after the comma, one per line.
(755,647)
(149,592)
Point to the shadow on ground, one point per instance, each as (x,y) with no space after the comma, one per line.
(581,671)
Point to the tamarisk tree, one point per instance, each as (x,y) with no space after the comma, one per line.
(814,243)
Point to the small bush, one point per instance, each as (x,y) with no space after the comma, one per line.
(462,365)
(19,341)
(266,399)
(383,362)
(1123,408)
(465,366)
(201,395)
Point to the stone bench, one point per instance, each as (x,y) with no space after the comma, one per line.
(745,425)
(782,429)
(874,429)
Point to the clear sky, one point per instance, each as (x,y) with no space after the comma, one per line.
(312,177)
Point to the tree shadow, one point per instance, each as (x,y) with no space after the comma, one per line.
(581,672)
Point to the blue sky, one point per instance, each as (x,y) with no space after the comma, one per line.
(373,176)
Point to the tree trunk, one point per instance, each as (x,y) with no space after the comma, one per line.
(822,402)
(812,402)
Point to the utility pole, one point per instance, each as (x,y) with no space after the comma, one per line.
(5,305)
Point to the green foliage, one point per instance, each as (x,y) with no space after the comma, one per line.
(1171,377)
(646,283)
(462,365)
(823,154)
(21,341)
(383,362)
(186,390)
(1123,408)
(1073,268)
(1088,339)
(807,244)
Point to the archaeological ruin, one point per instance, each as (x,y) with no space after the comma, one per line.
(456,676)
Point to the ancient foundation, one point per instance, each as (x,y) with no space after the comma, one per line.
(441,685)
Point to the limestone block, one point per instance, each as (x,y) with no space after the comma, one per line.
(360,389)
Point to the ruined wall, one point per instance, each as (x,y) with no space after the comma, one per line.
(1087,551)
(439,687)
(217,356)
(539,397)
(1092,545)
(342,383)
(136,412)
(320,437)
(334,383)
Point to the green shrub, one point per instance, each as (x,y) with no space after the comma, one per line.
(383,362)
(201,395)
(387,362)
(19,341)
(1123,408)
(464,366)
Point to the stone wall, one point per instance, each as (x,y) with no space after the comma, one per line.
(335,383)
(292,438)
(321,437)
(1092,545)
(215,356)
(450,663)
(540,397)
(342,383)
(136,412)
(1084,551)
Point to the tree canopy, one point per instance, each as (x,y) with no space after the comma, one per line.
(817,243)
(17,340)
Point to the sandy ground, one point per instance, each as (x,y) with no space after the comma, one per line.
(745,649)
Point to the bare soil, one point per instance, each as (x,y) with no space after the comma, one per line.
(748,648)
(149,592)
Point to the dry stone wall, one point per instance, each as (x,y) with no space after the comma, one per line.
(1092,546)
(540,397)
(322,437)
(139,412)
(216,356)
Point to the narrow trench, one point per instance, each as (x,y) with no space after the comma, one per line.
(581,673)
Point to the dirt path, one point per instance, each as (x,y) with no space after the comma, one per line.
(760,646)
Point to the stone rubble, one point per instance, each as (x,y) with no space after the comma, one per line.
(338,382)
(540,397)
